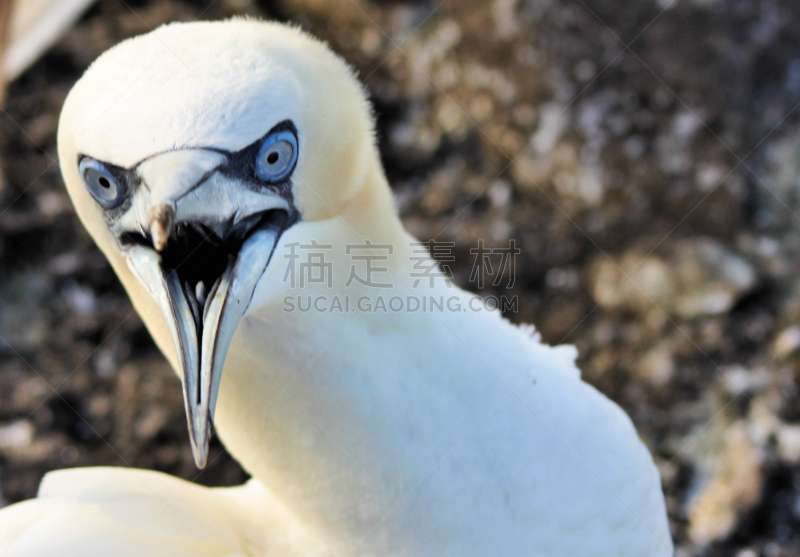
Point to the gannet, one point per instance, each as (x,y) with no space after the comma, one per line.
(201,157)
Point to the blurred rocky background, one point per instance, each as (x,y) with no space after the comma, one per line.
(643,154)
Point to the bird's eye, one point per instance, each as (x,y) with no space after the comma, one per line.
(277,156)
(100,183)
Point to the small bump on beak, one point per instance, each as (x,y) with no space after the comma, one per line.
(160,219)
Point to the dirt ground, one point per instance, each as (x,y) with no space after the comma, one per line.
(642,154)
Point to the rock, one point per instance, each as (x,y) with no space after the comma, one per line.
(585,70)
(709,176)
(711,278)
(29,393)
(24,320)
(80,298)
(17,434)
(788,437)
(506,18)
(151,422)
(32,451)
(371,42)
(563,278)
(673,148)
(787,342)
(691,278)
(657,364)
(738,379)
(636,283)
(500,194)
(735,485)
(554,120)
(452,118)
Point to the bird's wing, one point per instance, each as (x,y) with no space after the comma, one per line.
(33,27)
(87,512)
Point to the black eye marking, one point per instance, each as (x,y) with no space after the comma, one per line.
(105,183)
(267,162)
(277,156)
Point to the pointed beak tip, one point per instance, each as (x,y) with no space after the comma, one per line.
(199,443)
(200,458)
(201,350)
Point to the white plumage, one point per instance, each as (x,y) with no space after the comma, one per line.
(447,432)
(119,512)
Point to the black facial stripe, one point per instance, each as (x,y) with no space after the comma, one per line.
(127,181)
(239,165)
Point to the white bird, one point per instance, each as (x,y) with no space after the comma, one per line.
(204,159)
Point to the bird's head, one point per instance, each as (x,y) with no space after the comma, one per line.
(187,152)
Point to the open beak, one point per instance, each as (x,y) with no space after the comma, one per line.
(199,241)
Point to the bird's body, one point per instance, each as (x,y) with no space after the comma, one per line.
(369,428)
(125,512)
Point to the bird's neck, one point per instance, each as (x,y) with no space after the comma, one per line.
(342,411)
(305,399)
(349,414)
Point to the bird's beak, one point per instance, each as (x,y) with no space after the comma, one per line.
(199,241)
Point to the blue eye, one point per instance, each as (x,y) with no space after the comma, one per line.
(277,156)
(100,183)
